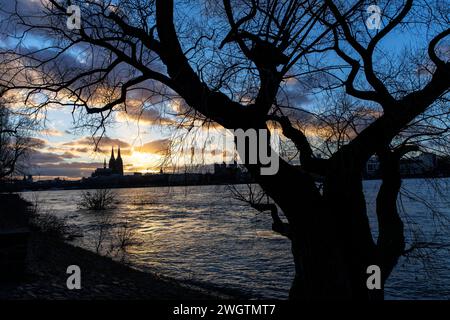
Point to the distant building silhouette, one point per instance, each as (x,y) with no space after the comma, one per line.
(112,161)
(230,172)
(119,164)
(115,166)
(424,164)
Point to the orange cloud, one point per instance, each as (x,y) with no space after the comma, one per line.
(97,144)
(156,146)
(147,115)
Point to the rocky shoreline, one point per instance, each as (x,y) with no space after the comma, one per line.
(101,277)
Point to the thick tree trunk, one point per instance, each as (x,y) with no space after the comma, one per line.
(332,254)
(391,241)
(331,239)
(333,250)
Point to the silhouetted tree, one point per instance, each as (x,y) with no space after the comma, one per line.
(15,142)
(96,200)
(232,68)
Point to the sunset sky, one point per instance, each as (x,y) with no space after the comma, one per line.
(67,153)
(142,134)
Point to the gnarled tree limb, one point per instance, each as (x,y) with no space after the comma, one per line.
(391,240)
(307,159)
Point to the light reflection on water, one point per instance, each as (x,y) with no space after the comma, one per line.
(200,233)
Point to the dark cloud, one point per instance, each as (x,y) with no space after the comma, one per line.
(81,150)
(70,169)
(102,143)
(68,155)
(55,161)
(37,143)
(37,157)
(53,164)
(25,7)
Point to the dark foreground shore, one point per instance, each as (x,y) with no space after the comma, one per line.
(101,277)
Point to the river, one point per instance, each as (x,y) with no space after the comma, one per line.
(202,234)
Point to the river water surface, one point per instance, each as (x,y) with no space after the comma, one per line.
(202,234)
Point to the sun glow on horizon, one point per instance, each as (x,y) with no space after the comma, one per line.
(143,162)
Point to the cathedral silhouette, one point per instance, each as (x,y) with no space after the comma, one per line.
(115,166)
